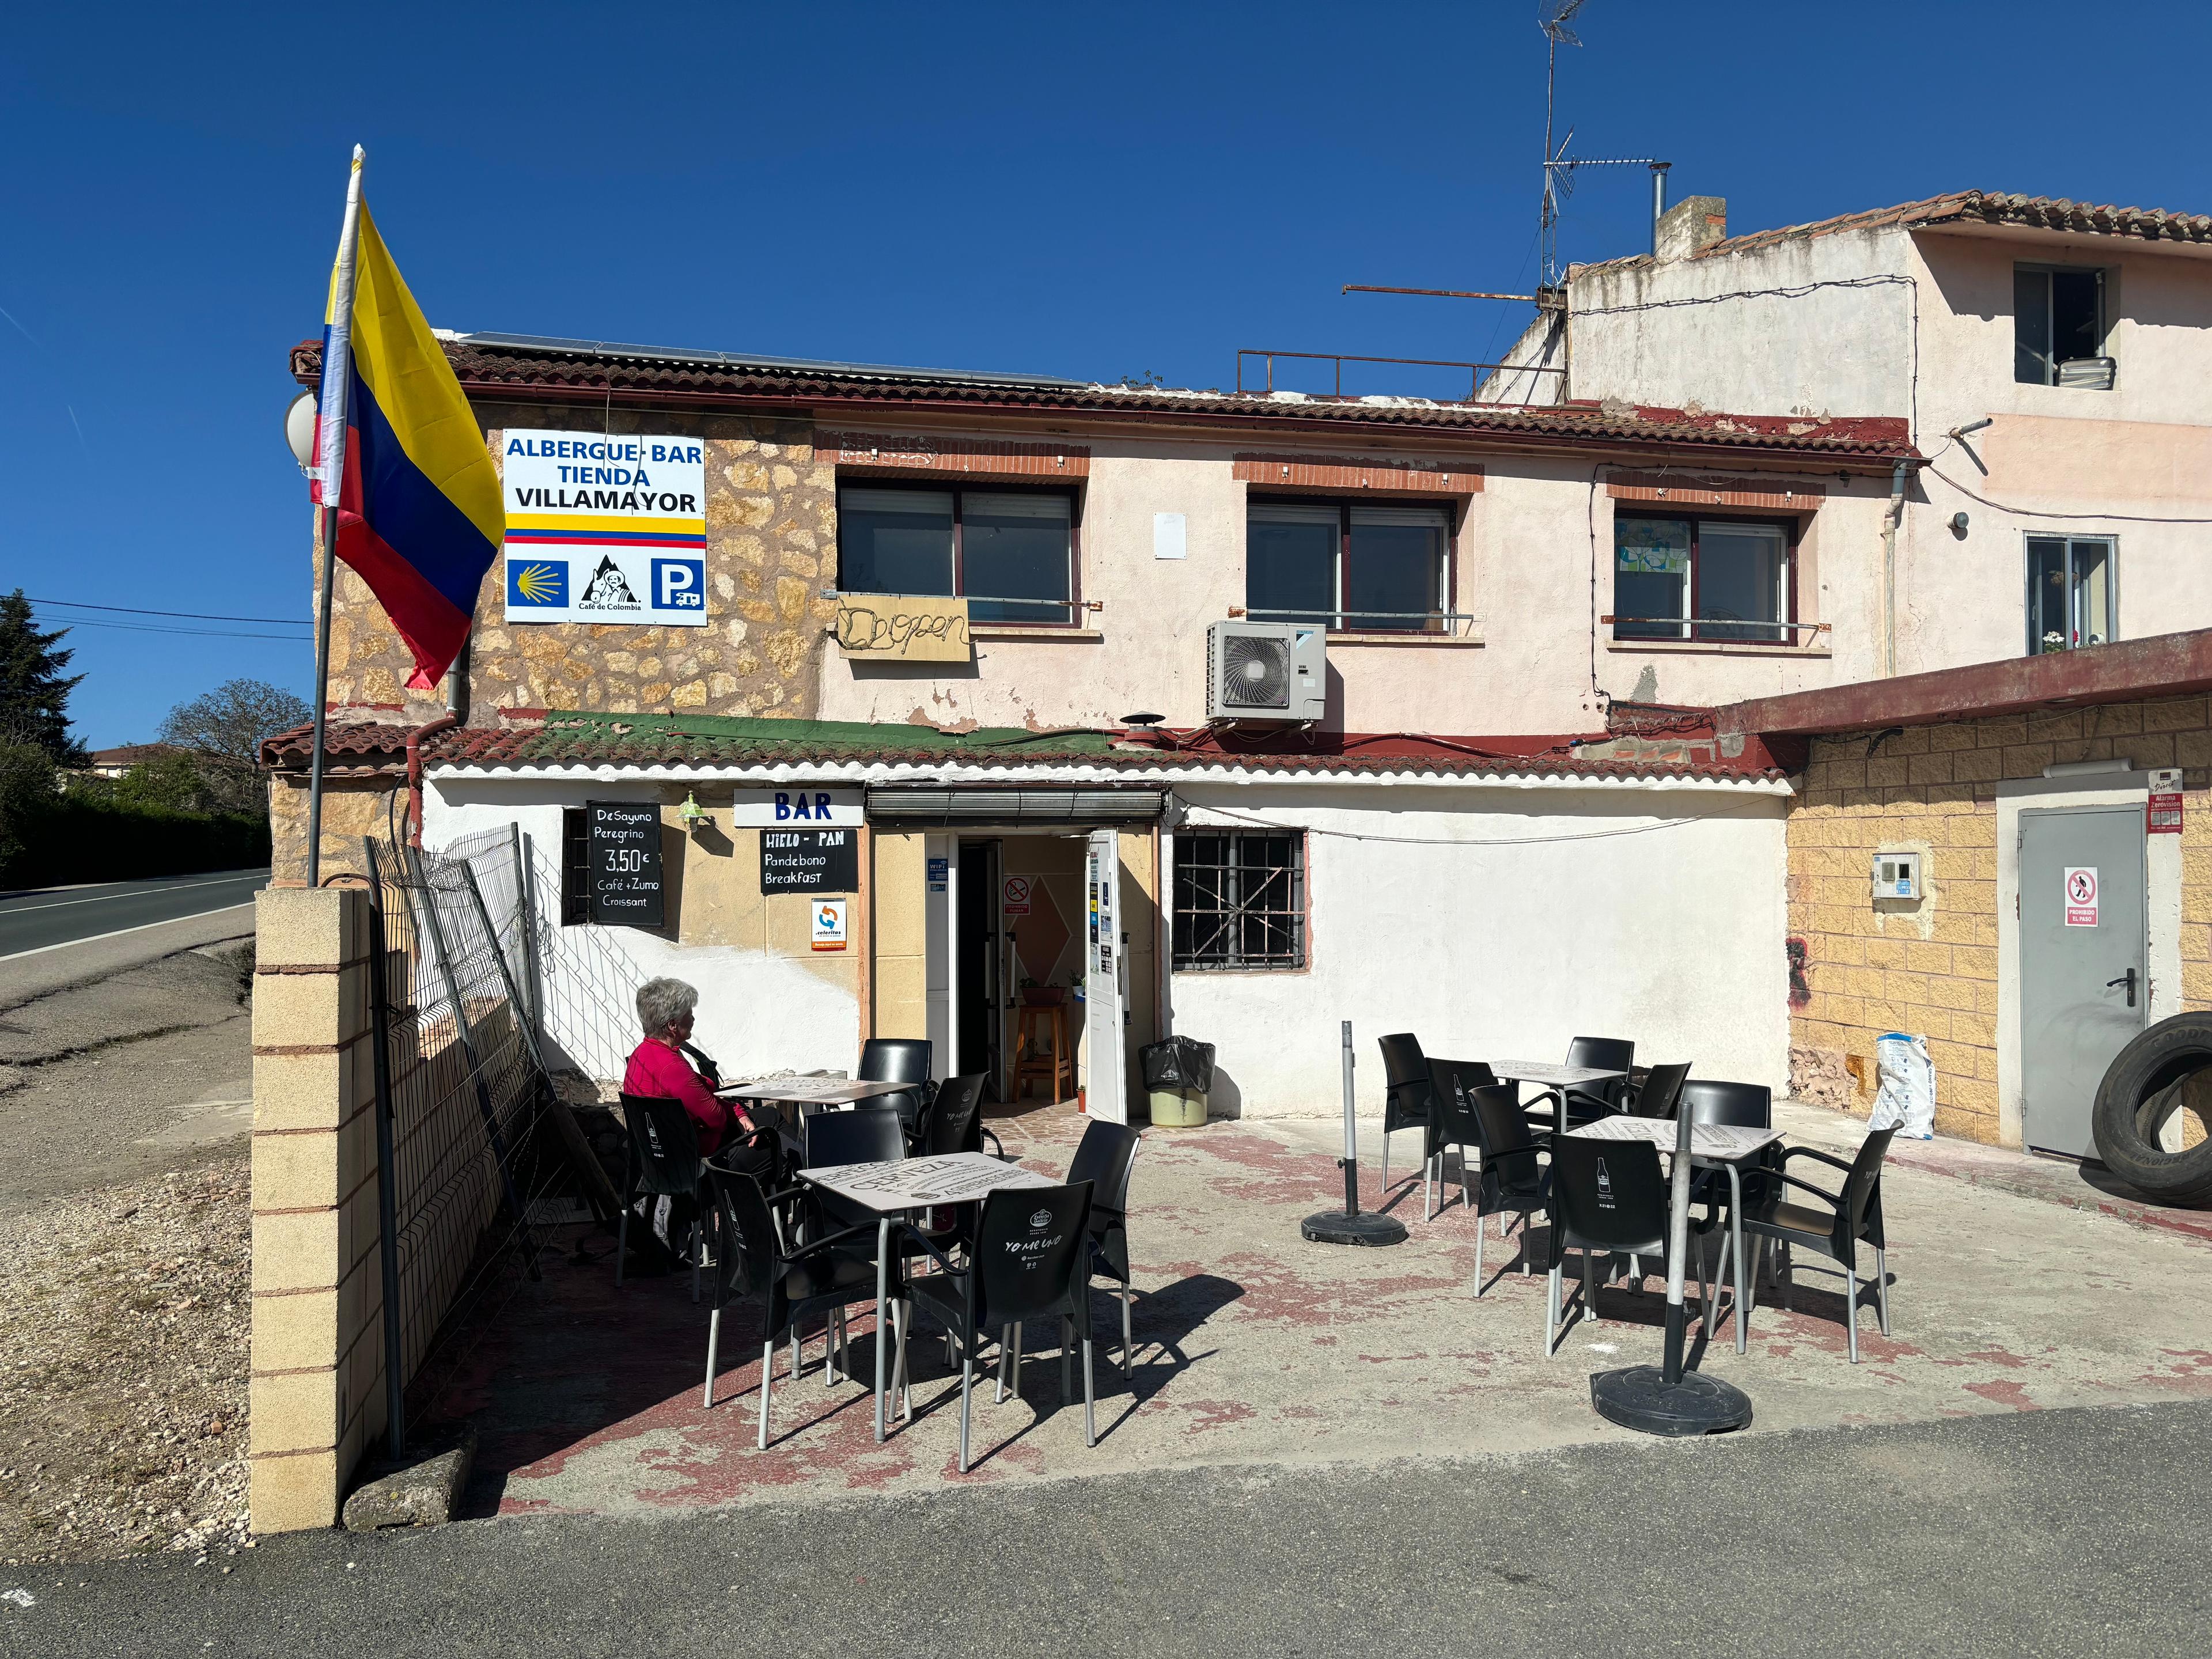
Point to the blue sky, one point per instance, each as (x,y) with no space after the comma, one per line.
(1098,191)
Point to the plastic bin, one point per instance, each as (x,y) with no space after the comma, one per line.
(1178,1108)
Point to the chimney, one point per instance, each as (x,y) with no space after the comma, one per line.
(1690,226)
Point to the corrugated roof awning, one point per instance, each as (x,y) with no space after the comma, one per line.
(962,808)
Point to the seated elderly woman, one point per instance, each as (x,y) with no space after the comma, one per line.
(661,1066)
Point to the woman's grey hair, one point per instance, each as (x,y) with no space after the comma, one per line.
(662,1002)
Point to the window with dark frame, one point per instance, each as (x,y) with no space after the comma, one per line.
(2057,318)
(1715,580)
(1347,565)
(1010,553)
(2072,591)
(1240,900)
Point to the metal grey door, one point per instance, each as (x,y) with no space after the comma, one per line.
(2083,991)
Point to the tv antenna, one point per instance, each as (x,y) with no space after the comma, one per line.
(1553,16)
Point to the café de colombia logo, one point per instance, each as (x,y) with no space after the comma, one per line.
(1040,1219)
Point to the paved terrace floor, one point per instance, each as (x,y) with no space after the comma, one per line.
(2015,1288)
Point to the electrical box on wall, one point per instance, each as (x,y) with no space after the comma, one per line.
(1897,876)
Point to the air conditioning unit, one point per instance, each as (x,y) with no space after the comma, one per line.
(1265,670)
(2090,374)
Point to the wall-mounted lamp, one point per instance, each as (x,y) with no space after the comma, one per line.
(1957,524)
(694,817)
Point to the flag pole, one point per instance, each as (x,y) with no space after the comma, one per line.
(338,381)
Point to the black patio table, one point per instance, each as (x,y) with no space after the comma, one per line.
(896,1188)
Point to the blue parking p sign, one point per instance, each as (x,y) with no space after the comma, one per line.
(679,584)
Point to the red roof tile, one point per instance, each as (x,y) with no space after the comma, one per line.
(1974,207)
(581,740)
(577,370)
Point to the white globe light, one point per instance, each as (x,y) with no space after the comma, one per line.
(299,422)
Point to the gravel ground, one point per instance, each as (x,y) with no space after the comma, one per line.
(123,1314)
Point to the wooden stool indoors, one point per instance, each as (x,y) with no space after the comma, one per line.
(1030,1024)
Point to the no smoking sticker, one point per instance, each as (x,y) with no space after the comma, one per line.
(1015,900)
(2080,895)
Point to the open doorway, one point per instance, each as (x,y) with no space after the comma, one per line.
(980,995)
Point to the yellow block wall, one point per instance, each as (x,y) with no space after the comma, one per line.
(1935,971)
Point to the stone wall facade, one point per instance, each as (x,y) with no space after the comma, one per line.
(1859,972)
(771,548)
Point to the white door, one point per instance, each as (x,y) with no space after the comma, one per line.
(1105,981)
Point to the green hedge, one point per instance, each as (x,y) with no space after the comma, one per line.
(80,840)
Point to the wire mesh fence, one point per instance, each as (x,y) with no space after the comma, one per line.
(469,1174)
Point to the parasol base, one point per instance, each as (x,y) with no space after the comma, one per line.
(1335,1227)
(1639,1397)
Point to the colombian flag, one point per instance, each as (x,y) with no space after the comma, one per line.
(420,514)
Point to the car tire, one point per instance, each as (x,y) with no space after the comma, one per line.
(2144,1086)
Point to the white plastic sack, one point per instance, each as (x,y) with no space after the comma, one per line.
(1905,1101)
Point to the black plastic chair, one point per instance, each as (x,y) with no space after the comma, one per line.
(1406,1101)
(1513,1182)
(955,1121)
(1731,1105)
(1846,1219)
(1451,1123)
(1607,1197)
(1031,1261)
(1104,1157)
(1658,1095)
(865,1134)
(1576,1106)
(900,1059)
(662,1161)
(824,1276)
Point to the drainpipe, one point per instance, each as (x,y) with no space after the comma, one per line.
(1890,522)
(457,709)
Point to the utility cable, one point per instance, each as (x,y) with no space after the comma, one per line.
(190,616)
(2038,513)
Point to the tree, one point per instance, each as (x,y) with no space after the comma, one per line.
(224,731)
(26,794)
(34,691)
(173,782)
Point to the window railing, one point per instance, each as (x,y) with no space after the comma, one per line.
(1444,624)
(1070,611)
(1693,623)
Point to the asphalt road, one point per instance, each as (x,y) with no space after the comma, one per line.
(62,915)
(2060,1532)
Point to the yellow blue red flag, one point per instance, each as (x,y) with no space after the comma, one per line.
(420,513)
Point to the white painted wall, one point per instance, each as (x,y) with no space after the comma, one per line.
(1798,348)
(758,1011)
(1534,921)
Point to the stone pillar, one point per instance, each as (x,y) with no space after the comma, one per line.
(317,1393)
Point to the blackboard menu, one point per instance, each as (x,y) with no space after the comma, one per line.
(624,838)
(810,860)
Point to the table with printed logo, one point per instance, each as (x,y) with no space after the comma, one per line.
(898,1187)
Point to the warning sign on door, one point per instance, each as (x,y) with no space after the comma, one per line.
(1015,901)
(2080,895)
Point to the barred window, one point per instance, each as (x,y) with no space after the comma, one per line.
(1240,900)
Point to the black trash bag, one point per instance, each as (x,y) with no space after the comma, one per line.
(1179,1062)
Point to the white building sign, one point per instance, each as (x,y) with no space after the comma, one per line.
(604,528)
